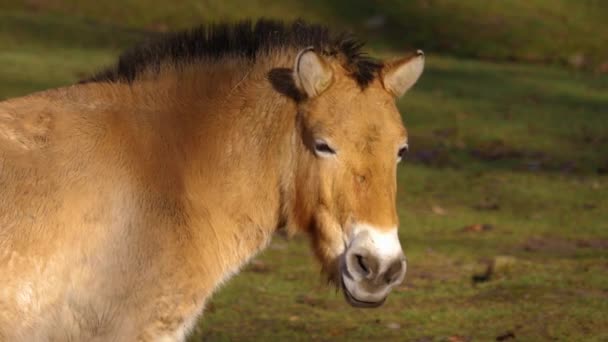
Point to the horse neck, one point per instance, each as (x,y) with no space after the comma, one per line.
(240,142)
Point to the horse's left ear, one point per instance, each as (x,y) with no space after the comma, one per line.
(312,74)
(400,75)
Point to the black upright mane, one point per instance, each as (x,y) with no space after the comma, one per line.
(245,39)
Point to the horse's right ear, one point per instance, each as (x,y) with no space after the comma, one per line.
(311,73)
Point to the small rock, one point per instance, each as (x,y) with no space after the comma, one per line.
(438,210)
(577,60)
(294,318)
(394,326)
(478,227)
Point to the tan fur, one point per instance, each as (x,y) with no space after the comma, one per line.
(123,207)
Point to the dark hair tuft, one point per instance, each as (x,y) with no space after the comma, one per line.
(245,39)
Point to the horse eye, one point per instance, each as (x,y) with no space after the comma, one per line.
(402,152)
(321,147)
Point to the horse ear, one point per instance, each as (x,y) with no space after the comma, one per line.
(400,75)
(312,74)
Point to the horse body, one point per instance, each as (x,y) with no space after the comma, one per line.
(124,205)
(117,189)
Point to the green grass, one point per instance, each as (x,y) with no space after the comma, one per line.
(523,148)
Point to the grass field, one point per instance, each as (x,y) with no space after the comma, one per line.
(503,199)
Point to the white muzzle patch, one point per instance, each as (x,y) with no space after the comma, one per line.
(373,264)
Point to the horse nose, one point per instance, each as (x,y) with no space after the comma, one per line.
(373,265)
(381,272)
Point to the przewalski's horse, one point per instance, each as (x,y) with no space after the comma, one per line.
(127,199)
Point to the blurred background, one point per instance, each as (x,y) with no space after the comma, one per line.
(503,199)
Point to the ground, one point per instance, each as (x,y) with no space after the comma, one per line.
(502,199)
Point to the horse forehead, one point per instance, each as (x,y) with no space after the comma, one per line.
(358,115)
(366,108)
(376,123)
(373,97)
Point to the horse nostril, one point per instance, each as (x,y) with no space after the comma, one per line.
(362,263)
(367,264)
(394,272)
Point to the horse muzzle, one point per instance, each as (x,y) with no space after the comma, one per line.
(372,265)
